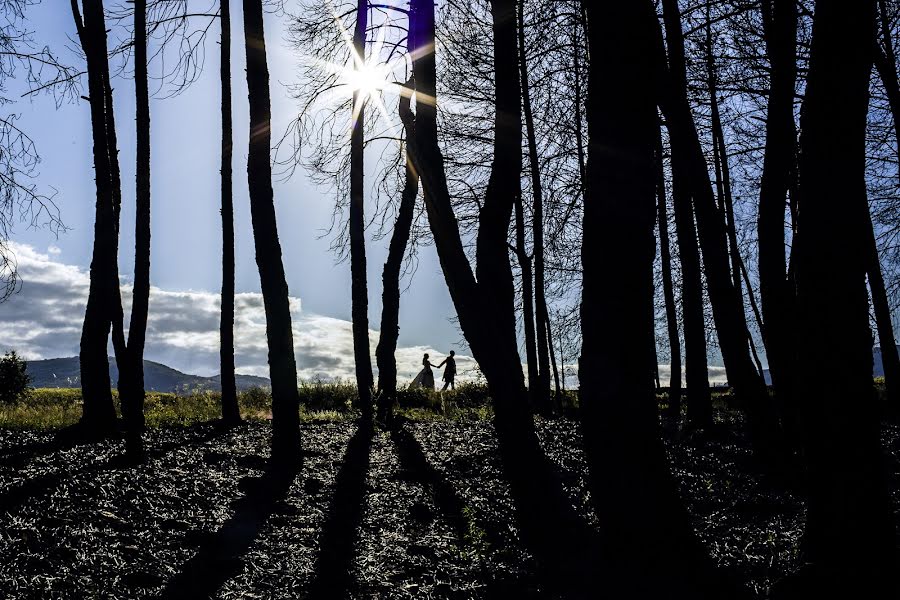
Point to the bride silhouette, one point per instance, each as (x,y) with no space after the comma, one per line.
(425,378)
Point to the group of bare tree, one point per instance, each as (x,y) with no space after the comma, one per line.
(646,130)
(104,313)
(533,133)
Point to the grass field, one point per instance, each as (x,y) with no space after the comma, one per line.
(54,408)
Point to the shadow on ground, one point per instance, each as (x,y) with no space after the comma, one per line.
(220,557)
(336,552)
(14,497)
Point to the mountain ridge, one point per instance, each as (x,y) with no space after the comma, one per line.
(66,373)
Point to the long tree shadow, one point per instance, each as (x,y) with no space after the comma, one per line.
(449,503)
(42,484)
(479,535)
(220,557)
(336,550)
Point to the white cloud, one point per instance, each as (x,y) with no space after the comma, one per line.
(44,321)
(717,375)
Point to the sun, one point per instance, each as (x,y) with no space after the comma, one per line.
(369,81)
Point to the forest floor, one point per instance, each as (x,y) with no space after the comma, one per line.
(422,512)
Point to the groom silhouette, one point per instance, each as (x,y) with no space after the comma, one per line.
(449,371)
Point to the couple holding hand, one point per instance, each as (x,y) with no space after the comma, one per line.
(425,378)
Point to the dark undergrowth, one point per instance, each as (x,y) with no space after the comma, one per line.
(420,511)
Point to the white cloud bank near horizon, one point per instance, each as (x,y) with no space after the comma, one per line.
(44,321)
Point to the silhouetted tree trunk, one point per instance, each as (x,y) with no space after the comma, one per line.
(727,302)
(390,278)
(776,293)
(231,414)
(642,520)
(723,184)
(850,536)
(699,409)
(534,385)
(541,393)
(886,64)
(99,413)
(504,185)
(120,345)
(131,380)
(359,292)
(890,360)
(723,175)
(282,366)
(486,309)
(668,289)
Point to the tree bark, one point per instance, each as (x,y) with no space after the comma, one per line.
(279,334)
(775,290)
(120,344)
(542,395)
(727,303)
(699,409)
(550,528)
(231,414)
(726,202)
(359,287)
(99,413)
(668,287)
(131,381)
(642,521)
(850,536)
(493,268)
(535,387)
(390,278)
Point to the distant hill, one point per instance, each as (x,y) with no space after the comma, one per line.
(66,373)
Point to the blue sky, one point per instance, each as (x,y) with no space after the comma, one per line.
(185,224)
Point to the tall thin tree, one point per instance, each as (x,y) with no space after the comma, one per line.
(359,290)
(776,292)
(131,380)
(390,295)
(99,413)
(537,226)
(279,333)
(230,411)
(699,409)
(665,255)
